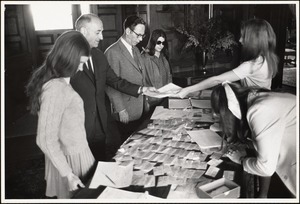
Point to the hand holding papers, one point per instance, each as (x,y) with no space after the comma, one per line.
(111,174)
(149,90)
(165,91)
(170,87)
(200,94)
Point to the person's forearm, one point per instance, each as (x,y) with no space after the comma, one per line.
(213,81)
(205,84)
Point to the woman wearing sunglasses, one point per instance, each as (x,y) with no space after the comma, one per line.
(156,61)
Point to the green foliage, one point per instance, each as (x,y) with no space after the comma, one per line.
(206,35)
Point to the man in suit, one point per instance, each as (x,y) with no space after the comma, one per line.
(90,85)
(125,59)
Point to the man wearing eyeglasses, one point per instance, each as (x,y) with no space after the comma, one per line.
(125,59)
(90,84)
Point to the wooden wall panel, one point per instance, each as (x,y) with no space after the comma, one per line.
(17,63)
(15,36)
(110,22)
(111,17)
(45,40)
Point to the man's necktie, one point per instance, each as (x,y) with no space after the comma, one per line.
(90,67)
(135,57)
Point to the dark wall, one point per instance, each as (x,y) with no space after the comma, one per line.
(18,62)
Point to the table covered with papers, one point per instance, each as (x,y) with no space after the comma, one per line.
(176,156)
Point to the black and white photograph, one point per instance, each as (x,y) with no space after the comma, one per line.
(149,101)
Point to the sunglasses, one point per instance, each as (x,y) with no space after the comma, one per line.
(160,42)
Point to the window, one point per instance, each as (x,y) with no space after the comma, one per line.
(52,16)
(85,8)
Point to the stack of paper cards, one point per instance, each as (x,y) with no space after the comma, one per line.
(206,138)
(112,193)
(112,174)
(186,103)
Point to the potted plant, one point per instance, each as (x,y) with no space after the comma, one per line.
(205,38)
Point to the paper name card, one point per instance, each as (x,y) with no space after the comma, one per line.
(112,174)
(205,138)
(229,174)
(212,171)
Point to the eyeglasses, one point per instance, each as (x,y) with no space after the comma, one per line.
(160,42)
(138,35)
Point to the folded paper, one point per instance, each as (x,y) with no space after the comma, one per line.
(113,175)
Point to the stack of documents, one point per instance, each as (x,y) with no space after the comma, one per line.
(206,94)
(206,138)
(111,174)
(112,193)
(164,114)
(202,115)
(185,103)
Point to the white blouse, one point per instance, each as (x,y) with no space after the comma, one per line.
(272,120)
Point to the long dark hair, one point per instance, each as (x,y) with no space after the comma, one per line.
(259,39)
(62,61)
(152,43)
(233,128)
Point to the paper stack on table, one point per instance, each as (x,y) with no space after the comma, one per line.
(185,103)
(206,138)
(112,174)
(179,103)
(112,193)
(161,157)
(201,103)
(162,113)
(206,94)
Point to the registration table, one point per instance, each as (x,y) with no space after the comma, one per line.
(165,162)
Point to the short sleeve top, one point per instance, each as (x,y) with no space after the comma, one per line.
(254,73)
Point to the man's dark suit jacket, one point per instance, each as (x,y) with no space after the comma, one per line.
(92,90)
